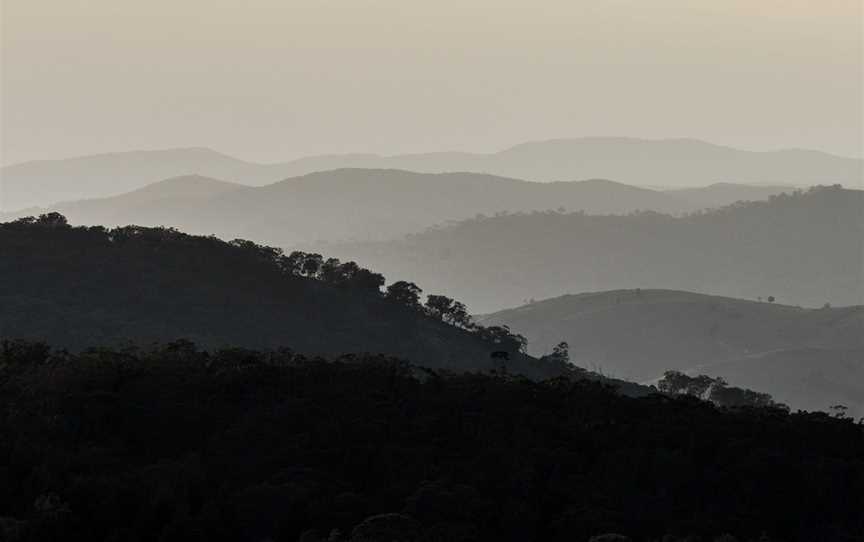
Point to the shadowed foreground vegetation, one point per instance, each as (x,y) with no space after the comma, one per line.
(178,444)
(74,287)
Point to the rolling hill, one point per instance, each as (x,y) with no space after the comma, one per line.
(163,202)
(807,358)
(804,249)
(666,163)
(367,204)
(720,194)
(81,287)
(45,182)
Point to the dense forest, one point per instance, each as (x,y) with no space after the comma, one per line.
(802,249)
(175,443)
(77,287)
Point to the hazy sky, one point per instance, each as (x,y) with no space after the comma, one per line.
(276,79)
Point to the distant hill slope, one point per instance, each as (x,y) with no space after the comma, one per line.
(669,162)
(672,163)
(803,249)
(365,204)
(187,186)
(807,358)
(81,287)
(44,182)
(719,194)
(163,202)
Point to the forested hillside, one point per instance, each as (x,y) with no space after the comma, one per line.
(802,249)
(79,287)
(175,444)
(806,358)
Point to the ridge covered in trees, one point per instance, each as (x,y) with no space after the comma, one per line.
(715,390)
(77,287)
(176,443)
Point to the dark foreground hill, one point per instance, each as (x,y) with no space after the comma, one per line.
(806,358)
(667,163)
(180,445)
(79,287)
(803,249)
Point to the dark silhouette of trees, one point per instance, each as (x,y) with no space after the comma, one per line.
(448,310)
(438,305)
(48,220)
(730,396)
(311,265)
(504,338)
(302,264)
(79,286)
(405,293)
(350,275)
(176,443)
(560,353)
(716,390)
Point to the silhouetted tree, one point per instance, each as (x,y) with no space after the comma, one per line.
(48,220)
(438,306)
(459,315)
(311,265)
(293,263)
(331,271)
(364,279)
(561,352)
(405,293)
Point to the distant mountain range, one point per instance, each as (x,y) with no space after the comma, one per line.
(804,248)
(367,204)
(807,358)
(665,163)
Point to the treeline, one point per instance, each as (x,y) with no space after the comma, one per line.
(407,294)
(246,256)
(773,201)
(715,390)
(179,444)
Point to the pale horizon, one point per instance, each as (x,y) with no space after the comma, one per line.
(272,81)
(291,158)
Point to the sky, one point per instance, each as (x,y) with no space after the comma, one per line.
(271,80)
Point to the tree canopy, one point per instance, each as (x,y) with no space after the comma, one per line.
(177,443)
